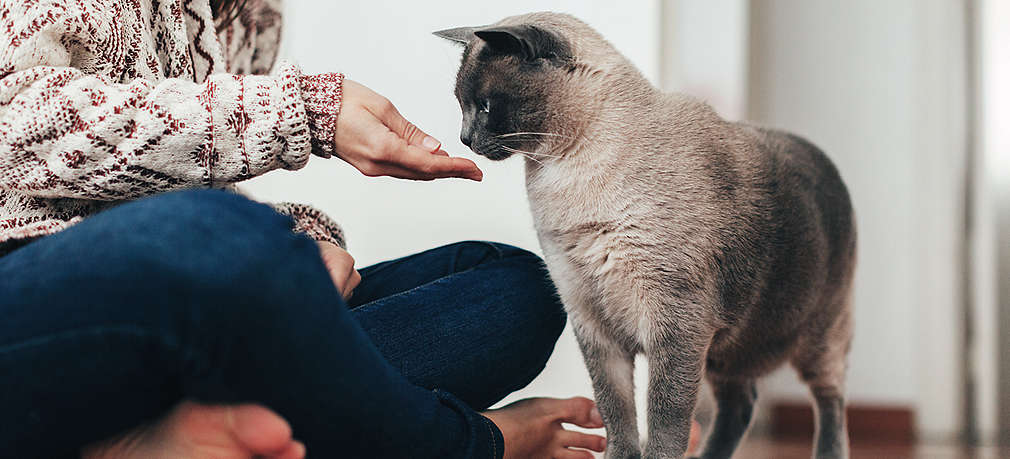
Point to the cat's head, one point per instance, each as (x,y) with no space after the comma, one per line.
(527,82)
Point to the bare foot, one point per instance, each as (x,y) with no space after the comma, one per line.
(532,428)
(199,431)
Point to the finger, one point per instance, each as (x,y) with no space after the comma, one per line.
(347,273)
(351,283)
(440,152)
(370,145)
(572,454)
(580,411)
(438,166)
(294,450)
(401,172)
(411,172)
(257,427)
(407,131)
(381,169)
(572,439)
(390,155)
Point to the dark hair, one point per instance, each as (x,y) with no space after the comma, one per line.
(226,11)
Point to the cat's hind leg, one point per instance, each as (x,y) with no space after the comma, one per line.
(611,369)
(832,438)
(821,364)
(735,405)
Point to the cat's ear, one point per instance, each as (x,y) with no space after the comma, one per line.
(526,41)
(461,35)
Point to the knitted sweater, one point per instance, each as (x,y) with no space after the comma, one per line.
(103,101)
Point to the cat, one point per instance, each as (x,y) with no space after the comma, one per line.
(717,249)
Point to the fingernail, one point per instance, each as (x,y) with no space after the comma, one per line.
(595,416)
(430,143)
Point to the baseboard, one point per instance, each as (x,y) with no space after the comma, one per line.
(867,423)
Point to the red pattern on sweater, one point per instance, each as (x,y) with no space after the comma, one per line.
(110,100)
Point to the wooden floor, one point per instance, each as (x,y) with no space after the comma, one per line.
(764,448)
(757,447)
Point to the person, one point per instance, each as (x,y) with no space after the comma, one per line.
(150,311)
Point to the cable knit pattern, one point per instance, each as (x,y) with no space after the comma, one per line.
(103,101)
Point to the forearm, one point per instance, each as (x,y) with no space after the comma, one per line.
(69,134)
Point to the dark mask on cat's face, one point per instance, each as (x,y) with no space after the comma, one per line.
(505,86)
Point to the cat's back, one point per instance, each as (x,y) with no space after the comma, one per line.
(812,208)
(734,178)
(798,170)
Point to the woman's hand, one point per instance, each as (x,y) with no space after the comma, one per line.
(341,267)
(373,137)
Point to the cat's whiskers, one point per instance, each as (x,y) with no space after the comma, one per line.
(533,153)
(548,134)
(528,154)
(524,152)
(515,150)
(559,142)
(535,160)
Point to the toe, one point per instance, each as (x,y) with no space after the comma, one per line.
(295,450)
(695,439)
(573,439)
(259,430)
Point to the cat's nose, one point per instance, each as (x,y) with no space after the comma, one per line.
(466,139)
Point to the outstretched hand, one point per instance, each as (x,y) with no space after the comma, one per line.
(373,137)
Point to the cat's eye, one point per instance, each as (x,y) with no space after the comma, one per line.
(485,106)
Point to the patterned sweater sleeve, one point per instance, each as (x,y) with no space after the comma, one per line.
(322,95)
(313,222)
(65,133)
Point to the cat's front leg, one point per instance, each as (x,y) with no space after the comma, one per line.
(675,372)
(612,371)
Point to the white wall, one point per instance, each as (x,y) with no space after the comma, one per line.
(387,45)
(704,52)
(878,85)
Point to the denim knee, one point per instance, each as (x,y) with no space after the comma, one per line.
(207,214)
(470,254)
(531,276)
(538,320)
(207,243)
(473,253)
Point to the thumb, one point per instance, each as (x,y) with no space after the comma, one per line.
(408,131)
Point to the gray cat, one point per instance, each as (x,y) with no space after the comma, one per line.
(716,248)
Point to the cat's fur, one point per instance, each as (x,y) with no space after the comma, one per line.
(718,249)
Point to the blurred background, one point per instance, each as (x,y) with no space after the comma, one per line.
(910,98)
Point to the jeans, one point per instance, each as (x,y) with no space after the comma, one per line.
(208,296)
